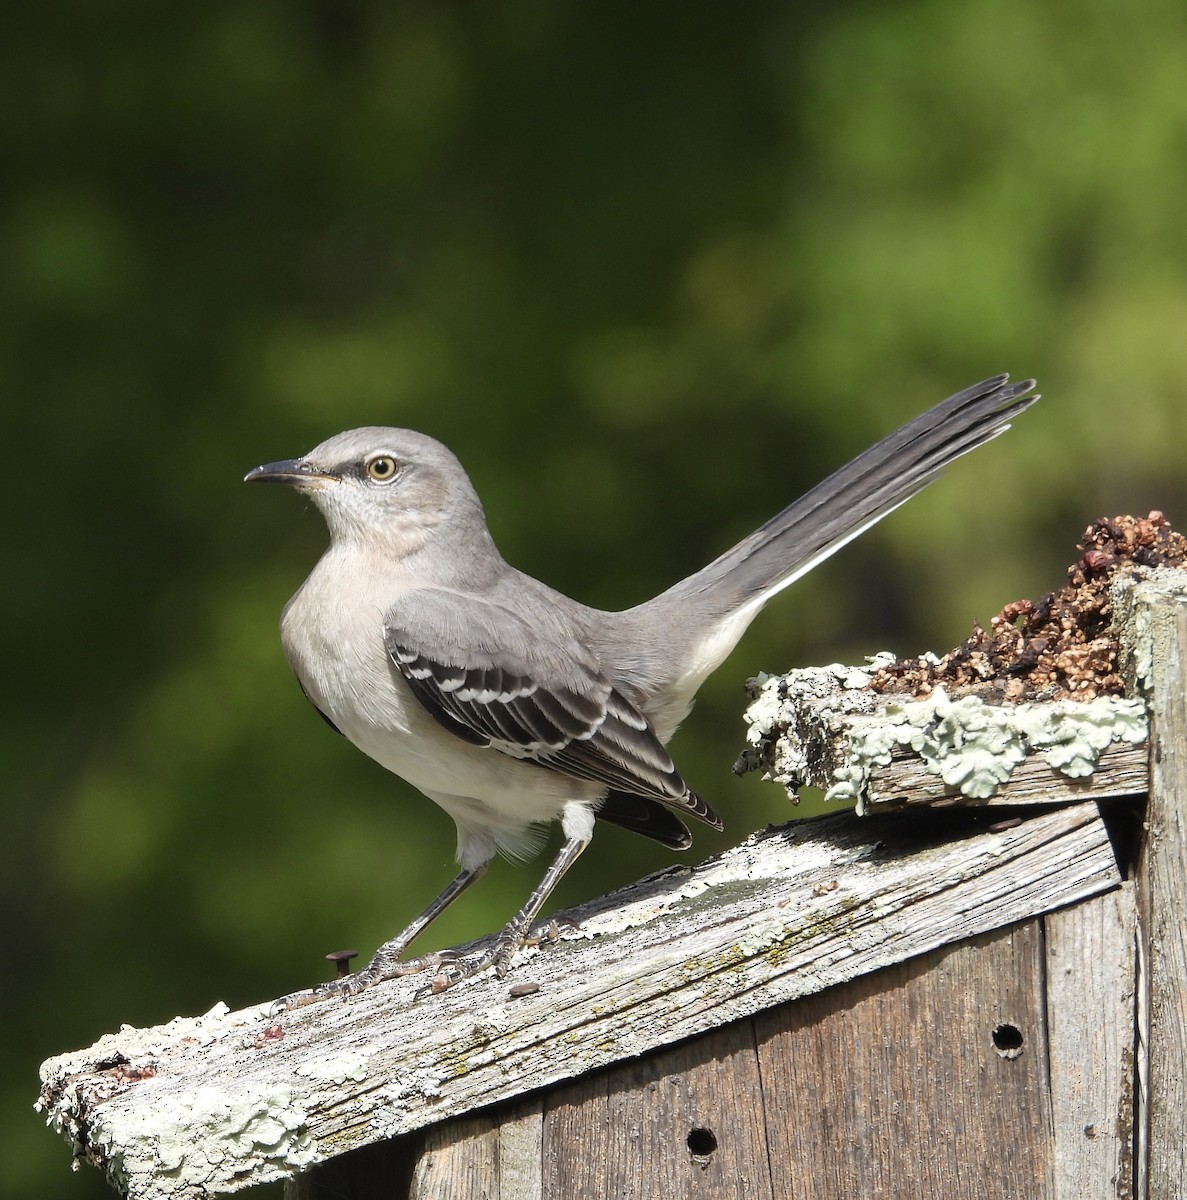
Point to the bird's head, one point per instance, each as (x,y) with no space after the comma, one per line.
(379,483)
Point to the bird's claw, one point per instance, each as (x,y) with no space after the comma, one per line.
(343,988)
(457,971)
(499,956)
(550,932)
(458,967)
(449,967)
(381,967)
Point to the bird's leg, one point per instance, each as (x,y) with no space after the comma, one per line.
(515,933)
(387,963)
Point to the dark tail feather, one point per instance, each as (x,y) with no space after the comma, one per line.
(857,496)
(648,817)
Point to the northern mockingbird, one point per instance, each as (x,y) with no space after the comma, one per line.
(507,703)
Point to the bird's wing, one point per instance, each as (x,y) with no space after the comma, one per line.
(531,691)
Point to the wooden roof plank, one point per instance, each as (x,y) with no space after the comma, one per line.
(212,1104)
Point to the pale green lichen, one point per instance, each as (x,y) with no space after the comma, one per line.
(350,1064)
(768,710)
(974,746)
(777,702)
(181,1147)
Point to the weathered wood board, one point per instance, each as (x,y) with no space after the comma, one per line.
(992,1069)
(212,1104)
(1152,613)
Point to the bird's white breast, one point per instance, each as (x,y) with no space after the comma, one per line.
(337,651)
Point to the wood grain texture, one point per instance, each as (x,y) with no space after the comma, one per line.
(791,912)
(891,1086)
(382,1172)
(493,1155)
(682,1123)
(1091,960)
(1156,642)
(486,1157)
(576,1134)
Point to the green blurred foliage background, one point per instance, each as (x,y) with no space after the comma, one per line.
(650,269)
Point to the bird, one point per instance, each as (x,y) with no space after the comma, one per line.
(509,704)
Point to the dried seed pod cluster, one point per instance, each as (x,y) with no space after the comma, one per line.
(1060,647)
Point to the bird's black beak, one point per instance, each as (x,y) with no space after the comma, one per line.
(296,472)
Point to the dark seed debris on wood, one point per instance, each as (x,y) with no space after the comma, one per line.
(1057,648)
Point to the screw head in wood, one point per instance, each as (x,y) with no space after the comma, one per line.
(341,960)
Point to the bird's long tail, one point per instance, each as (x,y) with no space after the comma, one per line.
(723,598)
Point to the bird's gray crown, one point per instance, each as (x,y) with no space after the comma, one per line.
(347,453)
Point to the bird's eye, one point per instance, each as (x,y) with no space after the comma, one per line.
(382,468)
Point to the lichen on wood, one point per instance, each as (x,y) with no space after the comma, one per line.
(814,727)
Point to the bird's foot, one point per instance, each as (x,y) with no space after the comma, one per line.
(456,967)
(550,932)
(449,967)
(384,965)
